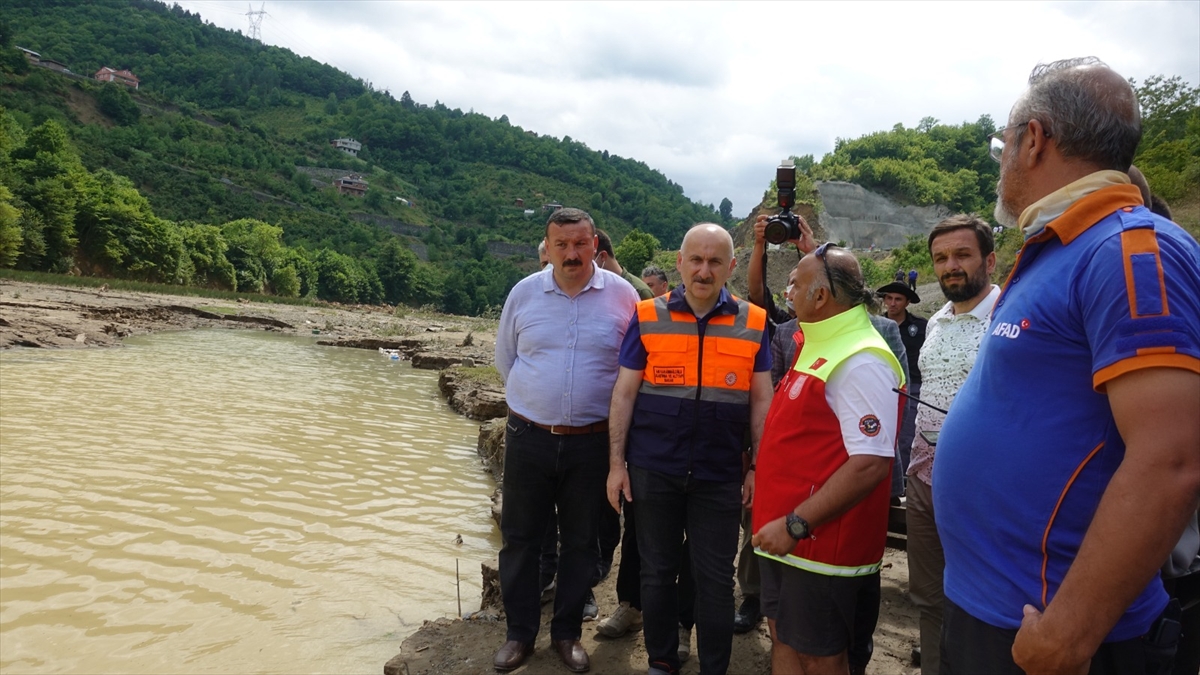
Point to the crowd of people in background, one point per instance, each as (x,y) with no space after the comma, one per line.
(1043,435)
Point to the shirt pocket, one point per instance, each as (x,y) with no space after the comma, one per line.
(734,367)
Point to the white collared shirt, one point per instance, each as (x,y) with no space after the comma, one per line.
(951,343)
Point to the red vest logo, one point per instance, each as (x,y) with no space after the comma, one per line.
(817,364)
(797,385)
(730,379)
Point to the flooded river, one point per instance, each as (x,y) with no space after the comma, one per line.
(229,501)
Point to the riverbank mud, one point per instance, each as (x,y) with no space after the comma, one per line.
(47,316)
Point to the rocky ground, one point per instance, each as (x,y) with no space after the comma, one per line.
(465,647)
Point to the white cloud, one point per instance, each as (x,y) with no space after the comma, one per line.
(714,94)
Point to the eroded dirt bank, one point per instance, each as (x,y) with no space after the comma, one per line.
(46,316)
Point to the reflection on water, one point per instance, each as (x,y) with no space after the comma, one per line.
(221,501)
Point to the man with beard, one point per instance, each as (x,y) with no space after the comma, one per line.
(695,376)
(961,248)
(556,350)
(1067,467)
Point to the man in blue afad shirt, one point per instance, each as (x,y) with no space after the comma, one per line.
(1069,463)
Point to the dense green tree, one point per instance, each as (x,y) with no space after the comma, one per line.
(635,250)
(205,249)
(254,250)
(119,235)
(114,100)
(1169,154)
(726,210)
(10,229)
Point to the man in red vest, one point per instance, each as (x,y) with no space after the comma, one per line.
(822,480)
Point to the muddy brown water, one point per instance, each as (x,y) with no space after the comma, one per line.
(229,501)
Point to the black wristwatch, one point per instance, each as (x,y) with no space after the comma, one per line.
(797,527)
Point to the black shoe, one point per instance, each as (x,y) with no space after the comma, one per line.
(590,609)
(748,616)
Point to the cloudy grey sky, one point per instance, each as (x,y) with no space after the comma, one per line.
(715,94)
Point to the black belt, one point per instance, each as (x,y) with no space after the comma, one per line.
(563,430)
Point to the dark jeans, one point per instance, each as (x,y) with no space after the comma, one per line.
(668,508)
(609,534)
(971,646)
(629,574)
(543,471)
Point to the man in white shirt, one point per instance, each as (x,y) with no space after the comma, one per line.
(963,259)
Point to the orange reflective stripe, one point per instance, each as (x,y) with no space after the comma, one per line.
(672,343)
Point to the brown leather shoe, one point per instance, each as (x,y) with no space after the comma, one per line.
(512,655)
(573,655)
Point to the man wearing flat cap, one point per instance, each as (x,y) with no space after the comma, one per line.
(897,296)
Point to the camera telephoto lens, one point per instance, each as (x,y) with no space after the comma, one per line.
(776,232)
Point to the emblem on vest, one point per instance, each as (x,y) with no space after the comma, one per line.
(797,386)
(668,375)
(870,426)
(912,330)
(730,379)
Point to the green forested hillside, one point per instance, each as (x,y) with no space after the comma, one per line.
(225,129)
(935,163)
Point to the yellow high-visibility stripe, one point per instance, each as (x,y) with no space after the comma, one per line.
(823,568)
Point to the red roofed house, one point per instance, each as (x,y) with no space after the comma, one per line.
(125,77)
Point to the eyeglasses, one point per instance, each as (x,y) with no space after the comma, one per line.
(996,147)
(820,253)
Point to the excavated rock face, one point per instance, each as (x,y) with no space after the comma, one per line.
(861,217)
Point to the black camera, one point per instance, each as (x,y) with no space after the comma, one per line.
(786,225)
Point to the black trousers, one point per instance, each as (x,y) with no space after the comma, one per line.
(543,472)
(973,647)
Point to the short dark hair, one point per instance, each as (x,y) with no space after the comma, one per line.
(983,231)
(654,271)
(569,216)
(604,244)
(1081,106)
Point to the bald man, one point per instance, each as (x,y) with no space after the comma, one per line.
(1056,519)
(695,376)
(822,485)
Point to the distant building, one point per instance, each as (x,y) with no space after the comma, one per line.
(520,203)
(403,201)
(551,207)
(54,65)
(31,55)
(528,213)
(125,77)
(352,184)
(347,145)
